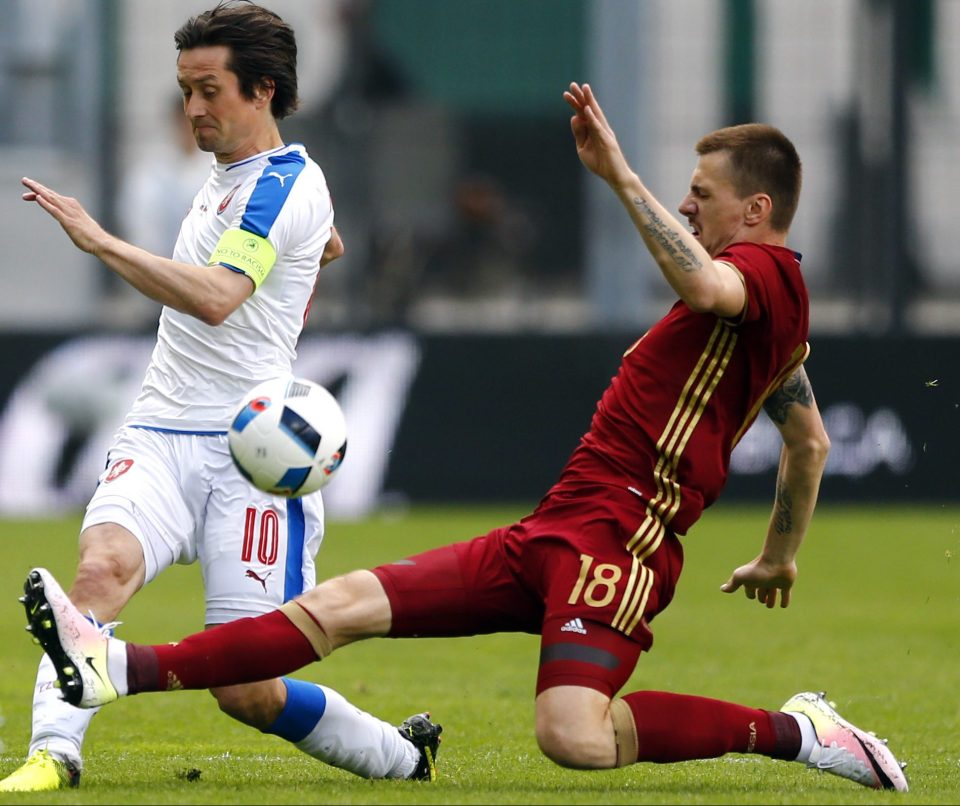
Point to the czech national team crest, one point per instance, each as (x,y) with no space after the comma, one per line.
(227,199)
(117,469)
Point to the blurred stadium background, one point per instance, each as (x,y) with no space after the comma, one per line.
(491,284)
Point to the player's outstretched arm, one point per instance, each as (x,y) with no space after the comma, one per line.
(209,293)
(805,447)
(703,284)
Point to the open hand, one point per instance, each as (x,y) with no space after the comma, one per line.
(596,142)
(763,581)
(86,233)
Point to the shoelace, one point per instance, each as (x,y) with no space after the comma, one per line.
(38,758)
(104,629)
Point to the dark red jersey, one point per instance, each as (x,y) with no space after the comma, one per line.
(688,390)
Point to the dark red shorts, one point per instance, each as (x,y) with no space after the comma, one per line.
(564,572)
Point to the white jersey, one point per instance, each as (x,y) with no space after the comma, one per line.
(198,373)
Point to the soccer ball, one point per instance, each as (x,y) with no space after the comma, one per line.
(288,437)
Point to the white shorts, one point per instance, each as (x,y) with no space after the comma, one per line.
(183,499)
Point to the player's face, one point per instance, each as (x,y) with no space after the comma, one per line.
(223,121)
(711,206)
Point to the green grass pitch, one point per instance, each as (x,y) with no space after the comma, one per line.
(875,622)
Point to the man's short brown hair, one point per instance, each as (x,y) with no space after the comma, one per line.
(762,160)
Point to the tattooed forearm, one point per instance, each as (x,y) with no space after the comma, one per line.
(783,510)
(796,389)
(672,244)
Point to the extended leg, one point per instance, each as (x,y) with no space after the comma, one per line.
(95,670)
(109,572)
(582,728)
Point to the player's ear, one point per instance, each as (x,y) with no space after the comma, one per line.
(264,90)
(759,207)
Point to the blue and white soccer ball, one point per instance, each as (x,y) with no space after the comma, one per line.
(288,437)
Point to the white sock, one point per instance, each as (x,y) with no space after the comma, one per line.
(358,742)
(808,736)
(57,726)
(117,665)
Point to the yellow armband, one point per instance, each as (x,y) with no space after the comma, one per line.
(246,252)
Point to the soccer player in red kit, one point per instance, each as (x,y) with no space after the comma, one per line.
(600,556)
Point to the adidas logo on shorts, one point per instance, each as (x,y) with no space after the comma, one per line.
(574,625)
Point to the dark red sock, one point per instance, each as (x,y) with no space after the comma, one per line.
(242,651)
(680,727)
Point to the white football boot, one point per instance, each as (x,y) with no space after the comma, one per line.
(845,750)
(77,648)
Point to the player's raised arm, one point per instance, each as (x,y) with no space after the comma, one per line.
(210,294)
(705,285)
(805,447)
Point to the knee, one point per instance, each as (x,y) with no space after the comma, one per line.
(110,558)
(571,745)
(257,705)
(575,729)
(101,569)
(104,584)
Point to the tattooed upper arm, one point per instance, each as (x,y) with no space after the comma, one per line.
(795,389)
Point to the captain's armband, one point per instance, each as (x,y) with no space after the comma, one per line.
(245,252)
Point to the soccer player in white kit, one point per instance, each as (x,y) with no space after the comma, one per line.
(235,297)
